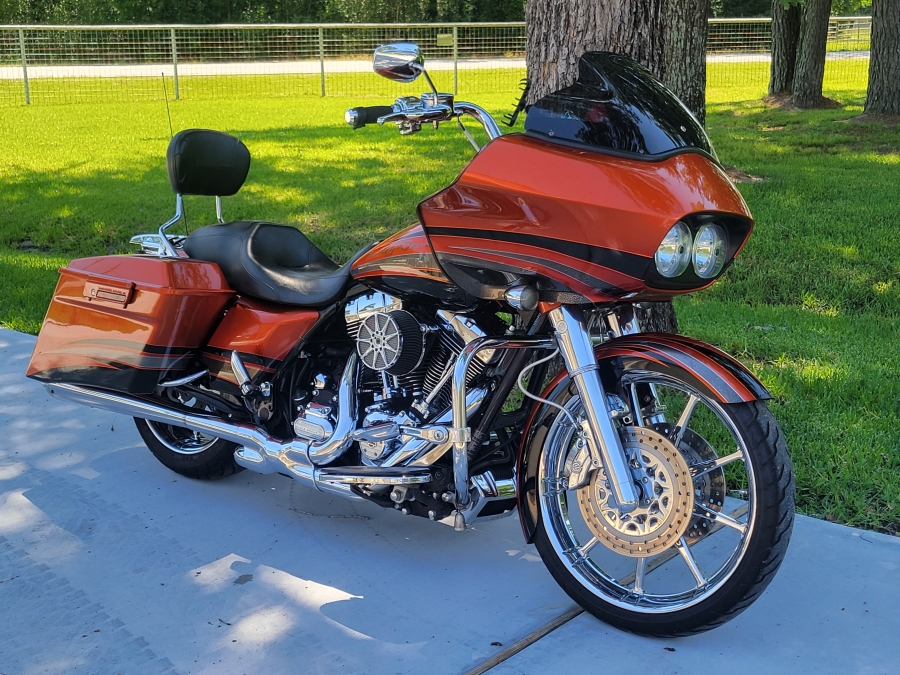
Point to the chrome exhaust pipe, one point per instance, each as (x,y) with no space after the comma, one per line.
(258,451)
(236,432)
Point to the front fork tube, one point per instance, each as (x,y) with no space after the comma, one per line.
(603,440)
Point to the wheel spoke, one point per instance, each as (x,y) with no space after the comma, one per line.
(725,520)
(578,555)
(584,550)
(640,568)
(665,557)
(702,468)
(685,419)
(688,557)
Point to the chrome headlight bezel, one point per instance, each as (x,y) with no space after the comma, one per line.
(733,229)
(709,251)
(674,253)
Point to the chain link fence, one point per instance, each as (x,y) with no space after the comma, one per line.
(72,64)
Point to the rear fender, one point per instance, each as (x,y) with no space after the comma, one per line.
(704,367)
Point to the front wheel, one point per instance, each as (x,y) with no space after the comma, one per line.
(712,524)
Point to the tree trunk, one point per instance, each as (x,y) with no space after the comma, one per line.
(810,69)
(687,27)
(884,65)
(559,31)
(785,37)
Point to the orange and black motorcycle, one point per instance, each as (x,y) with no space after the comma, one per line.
(645,467)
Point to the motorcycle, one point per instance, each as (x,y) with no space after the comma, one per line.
(484,362)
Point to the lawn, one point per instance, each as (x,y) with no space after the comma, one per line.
(812,305)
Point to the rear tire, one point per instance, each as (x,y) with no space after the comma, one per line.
(187,453)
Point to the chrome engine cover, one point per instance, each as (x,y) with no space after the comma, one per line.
(363,306)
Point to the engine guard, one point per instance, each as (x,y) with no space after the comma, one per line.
(704,367)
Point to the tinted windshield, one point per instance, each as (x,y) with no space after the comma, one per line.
(617,105)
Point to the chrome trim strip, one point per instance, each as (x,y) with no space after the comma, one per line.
(351,479)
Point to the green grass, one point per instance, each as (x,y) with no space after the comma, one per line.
(812,304)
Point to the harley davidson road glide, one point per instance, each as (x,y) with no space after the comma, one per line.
(646,468)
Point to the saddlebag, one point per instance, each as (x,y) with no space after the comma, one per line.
(127,323)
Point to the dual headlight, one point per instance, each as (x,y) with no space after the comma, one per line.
(707,250)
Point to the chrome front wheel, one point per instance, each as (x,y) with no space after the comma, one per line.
(712,523)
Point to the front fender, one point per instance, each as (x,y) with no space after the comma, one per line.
(704,367)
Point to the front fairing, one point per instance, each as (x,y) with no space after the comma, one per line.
(581,225)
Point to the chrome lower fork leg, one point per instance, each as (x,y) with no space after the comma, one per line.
(603,440)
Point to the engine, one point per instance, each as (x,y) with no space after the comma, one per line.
(407,363)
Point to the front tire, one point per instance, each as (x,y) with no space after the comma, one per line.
(189,453)
(712,566)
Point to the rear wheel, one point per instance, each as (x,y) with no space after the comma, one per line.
(187,452)
(712,524)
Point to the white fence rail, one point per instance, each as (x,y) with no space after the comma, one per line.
(70,64)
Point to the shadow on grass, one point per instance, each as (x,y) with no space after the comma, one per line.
(342,189)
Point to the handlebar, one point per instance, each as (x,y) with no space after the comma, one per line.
(362,115)
(410,112)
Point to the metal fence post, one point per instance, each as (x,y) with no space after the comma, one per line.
(24,66)
(455,60)
(322,57)
(175,61)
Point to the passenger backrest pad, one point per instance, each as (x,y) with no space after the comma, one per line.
(209,163)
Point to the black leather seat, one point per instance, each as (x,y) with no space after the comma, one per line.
(271,262)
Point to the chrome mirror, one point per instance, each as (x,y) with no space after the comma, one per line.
(399,61)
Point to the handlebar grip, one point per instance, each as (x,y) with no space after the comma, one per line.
(362,115)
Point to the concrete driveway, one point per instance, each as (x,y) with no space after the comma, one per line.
(109,563)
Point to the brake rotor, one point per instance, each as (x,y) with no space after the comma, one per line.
(709,489)
(666,505)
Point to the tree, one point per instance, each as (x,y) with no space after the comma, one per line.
(785,38)
(883,97)
(687,27)
(557,32)
(810,69)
